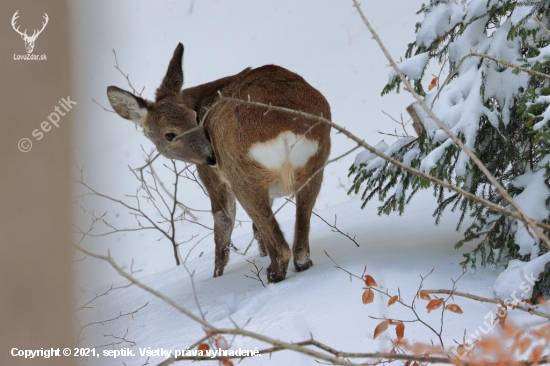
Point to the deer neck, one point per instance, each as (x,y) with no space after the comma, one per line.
(201,97)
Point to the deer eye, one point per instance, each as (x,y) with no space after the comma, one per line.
(170,136)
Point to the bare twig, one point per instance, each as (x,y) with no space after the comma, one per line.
(528,309)
(102,107)
(116,341)
(333,227)
(127,76)
(256,271)
(103,321)
(163,200)
(401,123)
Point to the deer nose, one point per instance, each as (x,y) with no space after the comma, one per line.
(211,160)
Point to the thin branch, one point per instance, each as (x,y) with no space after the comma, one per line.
(256,271)
(126,76)
(530,310)
(333,227)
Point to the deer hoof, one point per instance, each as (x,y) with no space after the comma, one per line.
(273,276)
(302,264)
(218,272)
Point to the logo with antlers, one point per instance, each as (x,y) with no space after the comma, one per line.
(29,40)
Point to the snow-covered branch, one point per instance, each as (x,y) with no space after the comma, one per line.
(529,221)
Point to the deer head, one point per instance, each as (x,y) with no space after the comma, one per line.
(29,40)
(167,122)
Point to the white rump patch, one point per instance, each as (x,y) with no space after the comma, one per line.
(283,154)
(285,147)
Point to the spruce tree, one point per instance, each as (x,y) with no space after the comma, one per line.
(500,112)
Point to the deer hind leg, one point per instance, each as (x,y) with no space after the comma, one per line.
(261,244)
(305,200)
(270,236)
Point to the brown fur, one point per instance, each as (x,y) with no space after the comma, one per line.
(231,130)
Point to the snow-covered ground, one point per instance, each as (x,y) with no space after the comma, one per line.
(321,300)
(325,42)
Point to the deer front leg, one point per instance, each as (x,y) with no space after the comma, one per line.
(224,221)
(261,244)
(223,210)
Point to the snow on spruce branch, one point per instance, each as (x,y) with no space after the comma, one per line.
(485,129)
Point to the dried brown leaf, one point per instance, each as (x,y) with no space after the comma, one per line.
(524,344)
(424,295)
(226,362)
(393,300)
(400,330)
(434,304)
(368,296)
(454,308)
(536,354)
(433,84)
(489,344)
(380,328)
(370,281)
(203,347)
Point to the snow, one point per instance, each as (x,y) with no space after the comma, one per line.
(460,104)
(544,55)
(412,67)
(439,21)
(520,277)
(377,161)
(366,156)
(532,200)
(410,155)
(430,161)
(321,301)
(477,8)
(504,85)
(520,12)
(545,115)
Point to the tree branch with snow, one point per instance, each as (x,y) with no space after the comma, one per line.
(485,130)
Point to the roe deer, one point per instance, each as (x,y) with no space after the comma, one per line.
(241,151)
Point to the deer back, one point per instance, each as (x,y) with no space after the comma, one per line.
(258,143)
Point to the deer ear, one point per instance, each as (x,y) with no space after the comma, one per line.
(127,105)
(173,81)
